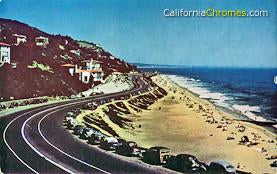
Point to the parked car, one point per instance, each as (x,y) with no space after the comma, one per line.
(71,123)
(78,129)
(186,163)
(109,143)
(221,167)
(67,119)
(96,138)
(120,142)
(156,155)
(68,116)
(87,133)
(129,148)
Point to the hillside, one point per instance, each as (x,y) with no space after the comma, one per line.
(38,69)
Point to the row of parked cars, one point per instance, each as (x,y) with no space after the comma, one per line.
(95,137)
(158,155)
(185,163)
(23,103)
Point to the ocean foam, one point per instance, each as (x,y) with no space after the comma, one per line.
(200,88)
(248,110)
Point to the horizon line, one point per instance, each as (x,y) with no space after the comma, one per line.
(202,66)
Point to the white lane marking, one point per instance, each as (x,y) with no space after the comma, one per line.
(25,139)
(83,162)
(9,147)
(36,150)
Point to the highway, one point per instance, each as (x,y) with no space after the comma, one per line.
(34,141)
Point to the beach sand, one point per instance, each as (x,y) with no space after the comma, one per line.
(187,124)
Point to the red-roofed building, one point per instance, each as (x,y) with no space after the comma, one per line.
(86,75)
(90,72)
(5,53)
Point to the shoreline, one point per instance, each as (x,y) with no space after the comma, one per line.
(235,113)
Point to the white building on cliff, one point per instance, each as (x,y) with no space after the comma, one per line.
(42,41)
(20,38)
(5,53)
(91,71)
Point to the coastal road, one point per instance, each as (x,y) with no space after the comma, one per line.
(34,141)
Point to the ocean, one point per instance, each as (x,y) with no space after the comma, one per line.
(250,92)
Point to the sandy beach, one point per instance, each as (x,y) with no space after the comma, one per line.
(188,124)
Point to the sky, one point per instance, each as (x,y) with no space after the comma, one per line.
(137,31)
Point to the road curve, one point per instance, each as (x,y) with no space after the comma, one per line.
(34,141)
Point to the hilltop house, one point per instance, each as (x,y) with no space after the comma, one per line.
(90,72)
(41,41)
(87,76)
(20,39)
(5,55)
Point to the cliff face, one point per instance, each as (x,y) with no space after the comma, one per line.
(38,69)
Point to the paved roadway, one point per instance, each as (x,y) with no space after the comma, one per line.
(34,141)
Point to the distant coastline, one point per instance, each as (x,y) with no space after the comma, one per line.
(146,65)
